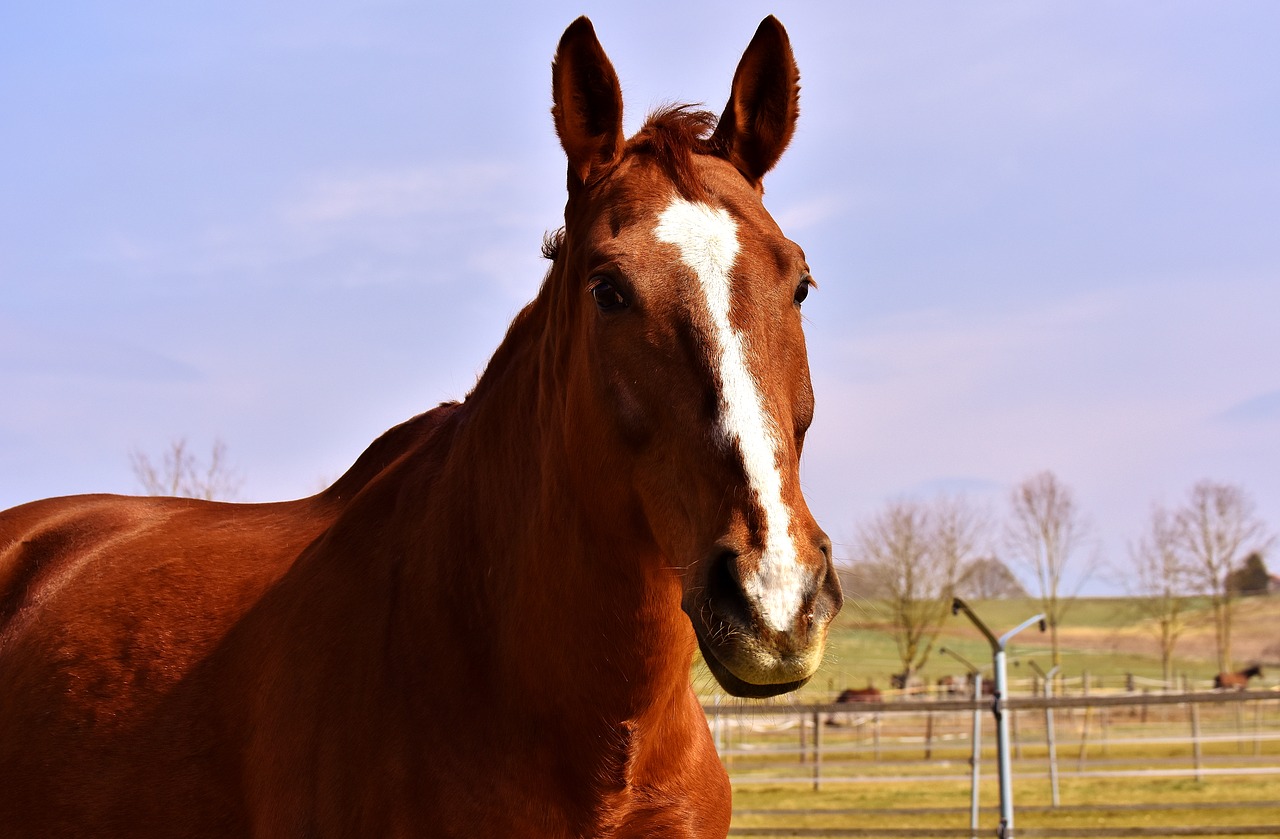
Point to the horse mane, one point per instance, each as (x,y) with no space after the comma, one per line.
(672,135)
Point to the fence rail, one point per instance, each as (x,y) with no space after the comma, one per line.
(1015,703)
(1208,735)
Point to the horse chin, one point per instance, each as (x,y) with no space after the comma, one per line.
(736,686)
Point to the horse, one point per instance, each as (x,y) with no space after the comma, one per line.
(486,626)
(1238,680)
(951,686)
(855,696)
(870,693)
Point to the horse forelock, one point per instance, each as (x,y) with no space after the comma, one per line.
(672,135)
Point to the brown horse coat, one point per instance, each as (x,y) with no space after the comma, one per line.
(485,627)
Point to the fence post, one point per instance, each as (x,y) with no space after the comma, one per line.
(1084,729)
(875,735)
(1049,735)
(976,758)
(1195,737)
(817,754)
(928,735)
(1257,728)
(804,746)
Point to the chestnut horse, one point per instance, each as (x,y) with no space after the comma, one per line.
(1238,680)
(485,627)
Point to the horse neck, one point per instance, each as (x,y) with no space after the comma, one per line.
(563,586)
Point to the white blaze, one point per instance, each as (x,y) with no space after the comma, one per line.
(708,243)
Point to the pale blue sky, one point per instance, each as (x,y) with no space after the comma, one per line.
(1045,233)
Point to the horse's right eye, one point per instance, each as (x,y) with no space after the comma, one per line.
(607,297)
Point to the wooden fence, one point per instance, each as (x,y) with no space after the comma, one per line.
(1202,735)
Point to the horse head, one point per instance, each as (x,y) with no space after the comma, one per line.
(681,306)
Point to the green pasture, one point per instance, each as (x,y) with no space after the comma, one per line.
(861,648)
(1093,804)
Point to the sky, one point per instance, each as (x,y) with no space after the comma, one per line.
(1046,235)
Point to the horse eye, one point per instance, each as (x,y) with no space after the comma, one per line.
(606,296)
(802,290)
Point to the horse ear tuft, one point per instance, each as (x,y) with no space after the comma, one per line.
(763,106)
(587,103)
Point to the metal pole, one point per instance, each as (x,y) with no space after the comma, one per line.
(1002,748)
(997,707)
(976,760)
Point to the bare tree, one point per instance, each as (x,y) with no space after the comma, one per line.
(912,553)
(1045,534)
(181,473)
(1217,526)
(1163,583)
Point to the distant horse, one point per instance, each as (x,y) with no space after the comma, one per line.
(870,693)
(988,685)
(485,627)
(854,696)
(1238,680)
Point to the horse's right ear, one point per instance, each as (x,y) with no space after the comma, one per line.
(587,103)
(761,115)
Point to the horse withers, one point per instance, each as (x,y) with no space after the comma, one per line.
(485,627)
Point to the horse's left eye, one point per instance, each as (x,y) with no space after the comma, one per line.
(802,290)
(606,296)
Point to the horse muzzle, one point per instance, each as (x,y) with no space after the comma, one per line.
(750,650)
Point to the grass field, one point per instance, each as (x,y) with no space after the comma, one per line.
(1105,637)
(1095,804)
(1113,789)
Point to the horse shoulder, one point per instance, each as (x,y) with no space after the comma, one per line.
(111,607)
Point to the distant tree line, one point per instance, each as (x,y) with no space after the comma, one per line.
(912,557)
(1210,546)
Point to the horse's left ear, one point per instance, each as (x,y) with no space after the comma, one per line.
(587,103)
(761,115)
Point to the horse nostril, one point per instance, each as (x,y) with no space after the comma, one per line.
(724,589)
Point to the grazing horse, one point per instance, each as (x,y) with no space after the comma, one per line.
(870,693)
(855,696)
(485,627)
(1238,680)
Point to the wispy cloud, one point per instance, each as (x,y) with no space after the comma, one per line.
(396,193)
(1264,407)
(47,352)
